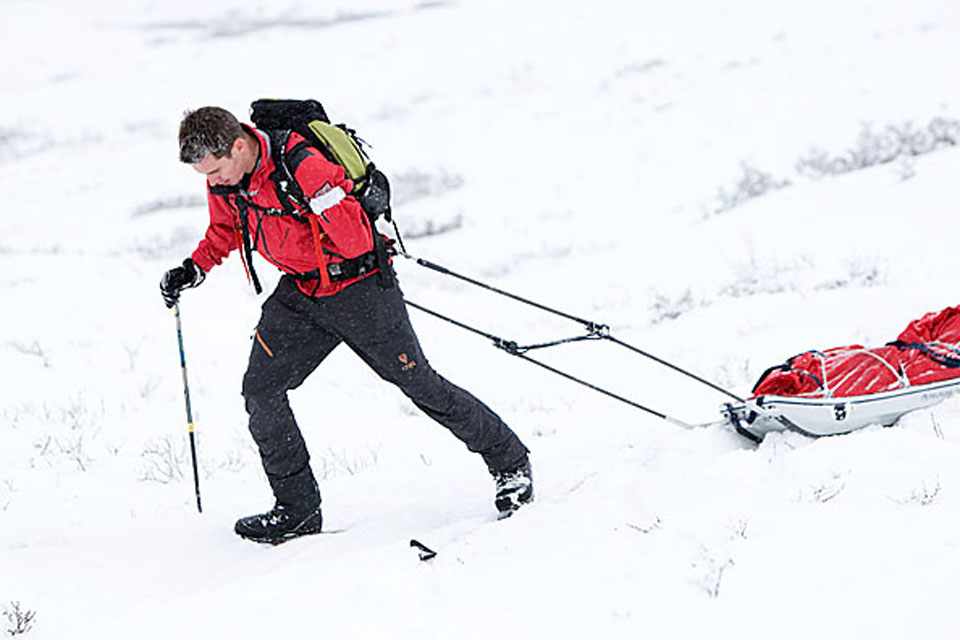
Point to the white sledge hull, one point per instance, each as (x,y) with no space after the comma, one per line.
(834,416)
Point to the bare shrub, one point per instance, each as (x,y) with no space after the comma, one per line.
(333,463)
(20,620)
(713,568)
(148,386)
(427,228)
(163,461)
(734,373)
(906,167)
(78,414)
(6,491)
(755,278)
(16,143)
(936,427)
(895,143)
(640,68)
(713,564)
(650,527)
(165,204)
(665,308)
(753,183)
(829,489)
(873,148)
(738,529)
(859,275)
(52,449)
(72,448)
(234,460)
(754,283)
(414,185)
(923,495)
(176,243)
(132,353)
(34,349)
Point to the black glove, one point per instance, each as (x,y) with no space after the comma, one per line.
(179,278)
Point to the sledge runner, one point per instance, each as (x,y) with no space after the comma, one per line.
(333,291)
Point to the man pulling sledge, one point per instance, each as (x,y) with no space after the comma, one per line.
(333,290)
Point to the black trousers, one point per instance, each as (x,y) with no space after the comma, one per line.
(296,332)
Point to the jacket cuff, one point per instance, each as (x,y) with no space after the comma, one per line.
(202,260)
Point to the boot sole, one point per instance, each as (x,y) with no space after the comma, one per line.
(275,540)
(305,528)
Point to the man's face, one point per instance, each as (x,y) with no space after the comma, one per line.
(222,172)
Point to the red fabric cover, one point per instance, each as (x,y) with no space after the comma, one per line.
(854,370)
(941,327)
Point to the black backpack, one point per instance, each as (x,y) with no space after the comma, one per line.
(337,142)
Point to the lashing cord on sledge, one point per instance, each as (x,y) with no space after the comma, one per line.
(594,331)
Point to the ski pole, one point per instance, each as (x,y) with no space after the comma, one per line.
(186,397)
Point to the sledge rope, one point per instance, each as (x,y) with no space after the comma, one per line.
(594,331)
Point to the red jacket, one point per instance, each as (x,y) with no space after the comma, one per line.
(284,241)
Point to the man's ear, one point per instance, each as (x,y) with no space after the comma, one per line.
(238,145)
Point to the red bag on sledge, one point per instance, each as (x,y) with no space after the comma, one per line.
(927,350)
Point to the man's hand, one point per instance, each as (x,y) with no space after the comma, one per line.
(179,278)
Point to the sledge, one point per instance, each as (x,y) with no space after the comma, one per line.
(817,393)
(818,417)
(833,392)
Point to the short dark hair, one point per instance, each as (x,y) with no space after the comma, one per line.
(207,130)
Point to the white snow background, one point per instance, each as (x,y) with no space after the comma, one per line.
(597,157)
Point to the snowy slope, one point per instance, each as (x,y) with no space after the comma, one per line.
(574,154)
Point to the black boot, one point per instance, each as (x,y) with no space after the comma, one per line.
(514,489)
(296,512)
(279,524)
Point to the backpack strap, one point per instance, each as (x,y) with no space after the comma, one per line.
(246,244)
(243,232)
(288,191)
(296,155)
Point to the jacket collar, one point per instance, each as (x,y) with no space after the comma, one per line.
(253,182)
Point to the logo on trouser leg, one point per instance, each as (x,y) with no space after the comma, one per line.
(406,362)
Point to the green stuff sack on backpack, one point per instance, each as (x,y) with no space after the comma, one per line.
(337,142)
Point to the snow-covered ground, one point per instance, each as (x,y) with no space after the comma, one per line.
(571,152)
